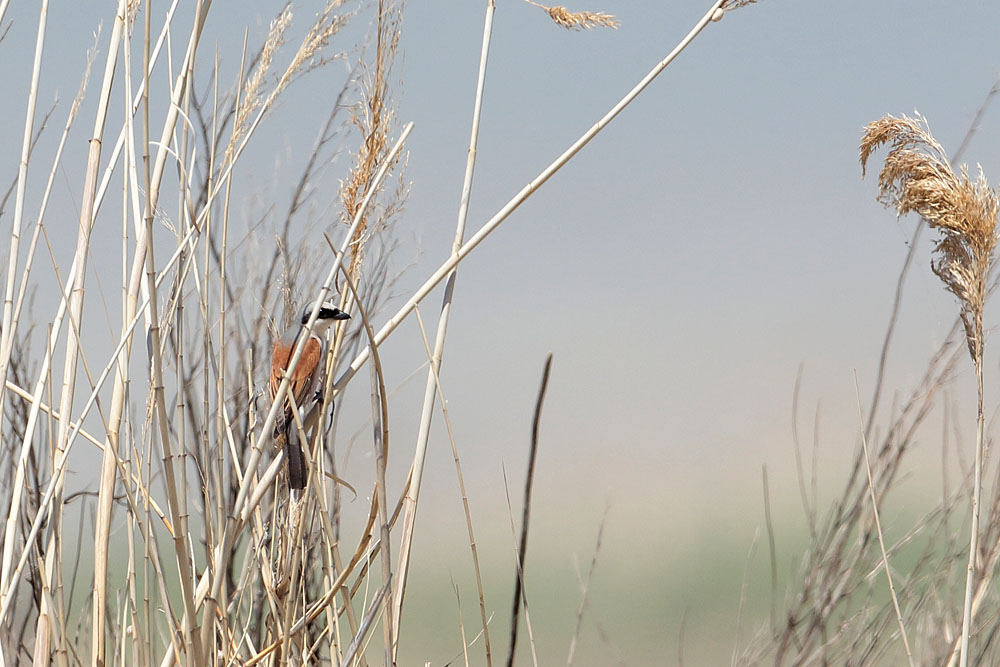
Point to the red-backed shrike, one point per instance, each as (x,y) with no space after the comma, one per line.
(302,381)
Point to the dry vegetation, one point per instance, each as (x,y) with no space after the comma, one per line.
(839,610)
(200,554)
(213,561)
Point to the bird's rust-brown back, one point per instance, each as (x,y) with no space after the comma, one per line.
(305,372)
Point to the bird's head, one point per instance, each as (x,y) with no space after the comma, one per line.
(328,314)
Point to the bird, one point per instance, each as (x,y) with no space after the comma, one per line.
(302,381)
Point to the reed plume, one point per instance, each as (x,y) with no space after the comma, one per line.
(577,20)
(917,177)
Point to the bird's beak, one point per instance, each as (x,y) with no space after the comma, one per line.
(333,314)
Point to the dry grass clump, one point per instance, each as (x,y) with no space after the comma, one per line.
(838,611)
(577,20)
(200,554)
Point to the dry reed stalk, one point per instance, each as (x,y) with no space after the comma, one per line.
(810,615)
(252,94)
(730,5)
(146,283)
(6,330)
(878,529)
(824,608)
(434,367)
(522,590)
(380,426)
(908,262)
(326,25)
(585,586)
(529,482)
(374,117)
(320,605)
(149,61)
(74,108)
(59,466)
(76,302)
(918,177)
(111,460)
(465,496)
(375,121)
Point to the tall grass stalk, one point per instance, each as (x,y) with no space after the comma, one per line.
(465,498)
(878,529)
(434,366)
(7,331)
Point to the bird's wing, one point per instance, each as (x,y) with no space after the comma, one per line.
(304,375)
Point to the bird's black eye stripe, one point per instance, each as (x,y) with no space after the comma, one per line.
(325,313)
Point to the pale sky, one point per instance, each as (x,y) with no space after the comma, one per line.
(714,238)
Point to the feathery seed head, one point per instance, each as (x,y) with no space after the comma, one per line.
(917,176)
(580,20)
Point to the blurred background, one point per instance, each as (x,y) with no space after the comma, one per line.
(711,245)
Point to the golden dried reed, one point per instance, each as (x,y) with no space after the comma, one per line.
(918,177)
(577,20)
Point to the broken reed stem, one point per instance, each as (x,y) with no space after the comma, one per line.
(526,512)
(878,527)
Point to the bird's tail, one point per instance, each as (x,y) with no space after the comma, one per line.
(286,436)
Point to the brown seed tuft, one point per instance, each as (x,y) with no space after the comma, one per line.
(581,20)
(577,20)
(918,177)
